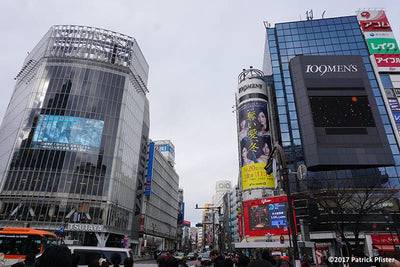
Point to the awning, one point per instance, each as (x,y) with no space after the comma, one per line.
(384,247)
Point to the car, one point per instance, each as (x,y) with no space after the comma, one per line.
(205,259)
(191,256)
(180,256)
(87,253)
(166,254)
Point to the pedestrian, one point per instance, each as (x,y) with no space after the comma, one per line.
(266,256)
(56,256)
(216,258)
(115,259)
(128,262)
(161,261)
(30,260)
(171,262)
(75,259)
(260,263)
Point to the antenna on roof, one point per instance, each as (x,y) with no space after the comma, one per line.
(323,13)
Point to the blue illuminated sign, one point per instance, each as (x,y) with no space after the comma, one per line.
(68,134)
(149,177)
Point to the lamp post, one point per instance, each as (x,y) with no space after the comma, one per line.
(286,187)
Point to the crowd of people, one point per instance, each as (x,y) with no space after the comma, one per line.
(61,256)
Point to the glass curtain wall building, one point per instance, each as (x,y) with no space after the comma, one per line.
(74,137)
(333,36)
(339,36)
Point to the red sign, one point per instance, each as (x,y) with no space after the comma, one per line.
(266,215)
(374,20)
(388,62)
(320,254)
(240,224)
(385,239)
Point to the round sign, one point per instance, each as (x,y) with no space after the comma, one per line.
(302,172)
(61,230)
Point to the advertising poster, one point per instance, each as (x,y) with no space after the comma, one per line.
(255,145)
(267,215)
(381,43)
(68,133)
(394,104)
(388,62)
(373,20)
(396,116)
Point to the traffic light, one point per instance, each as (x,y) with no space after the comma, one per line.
(282,239)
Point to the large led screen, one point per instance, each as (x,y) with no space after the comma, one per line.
(68,133)
(255,144)
(267,215)
(341,111)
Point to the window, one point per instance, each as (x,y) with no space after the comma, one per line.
(387,83)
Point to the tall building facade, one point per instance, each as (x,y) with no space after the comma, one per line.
(74,137)
(161,202)
(331,118)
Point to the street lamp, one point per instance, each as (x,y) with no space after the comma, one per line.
(286,187)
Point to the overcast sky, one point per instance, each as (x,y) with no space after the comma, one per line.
(195,50)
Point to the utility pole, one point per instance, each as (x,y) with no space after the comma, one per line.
(286,187)
(212,208)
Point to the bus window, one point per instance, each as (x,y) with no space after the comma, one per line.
(19,244)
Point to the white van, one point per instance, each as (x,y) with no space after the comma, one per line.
(87,254)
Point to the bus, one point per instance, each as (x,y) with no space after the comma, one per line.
(16,243)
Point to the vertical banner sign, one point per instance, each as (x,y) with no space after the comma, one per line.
(149,170)
(255,145)
(240,224)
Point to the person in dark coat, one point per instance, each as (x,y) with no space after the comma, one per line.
(216,258)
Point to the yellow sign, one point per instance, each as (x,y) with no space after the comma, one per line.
(254,175)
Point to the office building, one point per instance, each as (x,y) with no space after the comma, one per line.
(332,117)
(74,137)
(160,208)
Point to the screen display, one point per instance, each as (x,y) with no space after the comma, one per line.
(341,111)
(269,216)
(68,133)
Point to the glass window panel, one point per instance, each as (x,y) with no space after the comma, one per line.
(387,83)
(284,127)
(285,137)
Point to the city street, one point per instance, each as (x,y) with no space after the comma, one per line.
(152,263)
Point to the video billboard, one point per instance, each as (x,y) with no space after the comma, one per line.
(68,133)
(255,144)
(267,215)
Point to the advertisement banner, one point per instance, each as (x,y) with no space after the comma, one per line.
(254,175)
(68,133)
(396,116)
(255,144)
(240,224)
(388,62)
(267,215)
(382,46)
(373,20)
(394,104)
(385,239)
